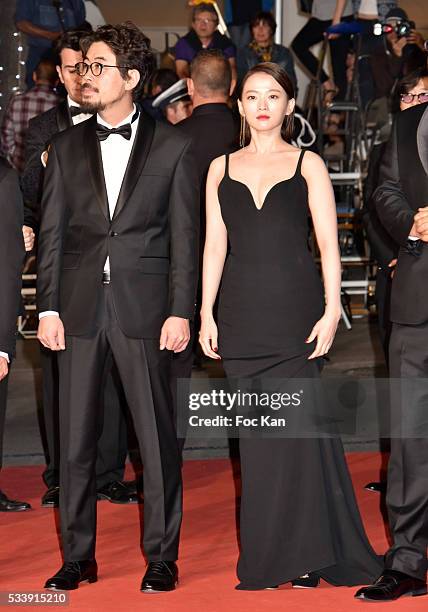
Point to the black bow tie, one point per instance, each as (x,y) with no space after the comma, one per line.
(104,132)
(75,110)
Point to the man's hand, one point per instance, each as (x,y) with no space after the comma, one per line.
(398,46)
(4,368)
(416,38)
(420,226)
(51,333)
(29,237)
(175,334)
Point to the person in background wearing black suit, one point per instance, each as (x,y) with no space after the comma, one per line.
(117,275)
(112,443)
(214,131)
(11,263)
(402,205)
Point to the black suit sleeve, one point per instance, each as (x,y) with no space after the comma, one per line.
(11,258)
(393,208)
(32,176)
(50,236)
(184,226)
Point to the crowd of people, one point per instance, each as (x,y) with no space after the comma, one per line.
(154,198)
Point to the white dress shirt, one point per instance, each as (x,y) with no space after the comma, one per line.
(77,118)
(115,153)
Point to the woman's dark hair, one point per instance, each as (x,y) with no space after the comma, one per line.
(130,46)
(204,7)
(284,81)
(263,17)
(404,85)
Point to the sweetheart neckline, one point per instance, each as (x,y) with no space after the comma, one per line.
(268,192)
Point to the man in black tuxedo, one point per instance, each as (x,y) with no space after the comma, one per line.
(402,205)
(118,252)
(11,262)
(112,443)
(214,131)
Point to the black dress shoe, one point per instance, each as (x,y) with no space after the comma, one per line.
(131,485)
(376,487)
(51,498)
(11,505)
(392,585)
(71,574)
(308,581)
(117,493)
(160,576)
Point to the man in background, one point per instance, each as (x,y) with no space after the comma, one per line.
(43,21)
(214,131)
(24,107)
(174,103)
(11,262)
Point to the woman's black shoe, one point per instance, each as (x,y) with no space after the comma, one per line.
(308,581)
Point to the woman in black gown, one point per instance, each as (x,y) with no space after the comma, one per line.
(299,519)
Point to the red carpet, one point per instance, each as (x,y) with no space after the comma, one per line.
(29,549)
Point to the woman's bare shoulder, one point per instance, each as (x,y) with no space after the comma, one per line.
(312,162)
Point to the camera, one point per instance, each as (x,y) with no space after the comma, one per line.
(401,28)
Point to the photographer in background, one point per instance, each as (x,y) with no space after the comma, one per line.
(43,21)
(401,53)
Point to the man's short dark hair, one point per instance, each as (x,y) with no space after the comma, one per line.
(263,17)
(46,71)
(163,78)
(70,39)
(204,7)
(130,46)
(211,73)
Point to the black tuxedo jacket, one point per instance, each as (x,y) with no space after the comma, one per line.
(12,255)
(41,129)
(152,239)
(403,189)
(214,131)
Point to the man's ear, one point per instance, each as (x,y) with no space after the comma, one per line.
(133,79)
(190,87)
(59,71)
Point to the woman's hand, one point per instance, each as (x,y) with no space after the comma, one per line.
(324,331)
(208,337)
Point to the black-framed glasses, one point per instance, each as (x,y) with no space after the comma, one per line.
(96,68)
(409,97)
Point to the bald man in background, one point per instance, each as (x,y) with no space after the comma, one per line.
(214,131)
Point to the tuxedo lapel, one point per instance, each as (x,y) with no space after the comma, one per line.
(137,160)
(422,138)
(93,157)
(63,116)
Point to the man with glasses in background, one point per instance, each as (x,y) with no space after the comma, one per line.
(203,35)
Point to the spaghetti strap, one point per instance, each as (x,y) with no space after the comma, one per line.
(226,166)
(299,163)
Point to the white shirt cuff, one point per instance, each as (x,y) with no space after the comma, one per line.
(412,238)
(48,313)
(5,355)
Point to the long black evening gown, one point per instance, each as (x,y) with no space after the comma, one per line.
(298,508)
